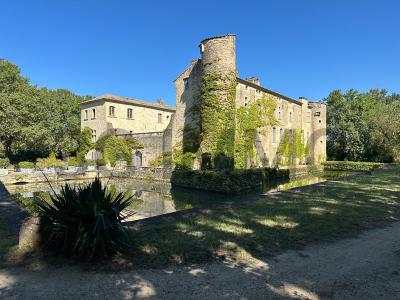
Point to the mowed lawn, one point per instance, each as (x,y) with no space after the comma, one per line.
(287,220)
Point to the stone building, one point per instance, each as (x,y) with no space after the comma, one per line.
(218,55)
(163,128)
(130,118)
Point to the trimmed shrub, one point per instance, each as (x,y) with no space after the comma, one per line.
(26,165)
(73,162)
(226,182)
(351,166)
(84,221)
(50,162)
(4,163)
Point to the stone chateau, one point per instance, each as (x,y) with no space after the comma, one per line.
(162,128)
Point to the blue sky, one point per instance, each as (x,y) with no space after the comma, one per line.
(137,48)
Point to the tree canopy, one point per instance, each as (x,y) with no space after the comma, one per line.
(35,122)
(363,126)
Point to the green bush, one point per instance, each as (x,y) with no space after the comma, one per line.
(85,144)
(4,163)
(95,162)
(84,221)
(226,182)
(73,162)
(50,162)
(114,149)
(350,166)
(165,159)
(26,164)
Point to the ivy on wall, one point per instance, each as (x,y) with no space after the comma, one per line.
(113,148)
(217,111)
(292,147)
(250,120)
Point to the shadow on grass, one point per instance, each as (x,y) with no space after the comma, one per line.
(274,223)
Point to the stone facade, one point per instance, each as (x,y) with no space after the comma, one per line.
(163,128)
(218,54)
(129,118)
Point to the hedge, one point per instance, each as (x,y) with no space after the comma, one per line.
(4,163)
(26,165)
(351,166)
(226,182)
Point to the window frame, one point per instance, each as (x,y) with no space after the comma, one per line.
(111,109)
(129,110)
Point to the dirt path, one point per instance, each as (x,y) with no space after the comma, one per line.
(367,267)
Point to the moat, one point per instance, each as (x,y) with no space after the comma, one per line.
(158,198)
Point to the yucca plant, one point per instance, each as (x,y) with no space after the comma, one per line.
(85,221)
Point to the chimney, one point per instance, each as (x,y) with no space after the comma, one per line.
(160,101)
(253,80)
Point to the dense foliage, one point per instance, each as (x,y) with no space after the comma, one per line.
(217,116)
(226,182)
(350,166)
(84,222)
(252,120)
(363,126)
(114,149)
(35,122)
(292,148)
(50,162)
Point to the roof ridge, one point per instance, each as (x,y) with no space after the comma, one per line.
(133,101)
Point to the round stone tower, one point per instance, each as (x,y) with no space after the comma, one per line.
(217,101)
(218,54)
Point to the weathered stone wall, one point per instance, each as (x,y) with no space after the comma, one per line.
(318,124)
(217,107)
(153,145)
(186,123)
(148,173)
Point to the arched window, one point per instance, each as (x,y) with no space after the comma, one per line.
(138,159)
(93,113)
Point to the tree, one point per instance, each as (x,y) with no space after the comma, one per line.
(362,127)
(36,122)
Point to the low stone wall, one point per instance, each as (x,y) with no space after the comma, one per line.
(161,174)
(148,173)
(37,176)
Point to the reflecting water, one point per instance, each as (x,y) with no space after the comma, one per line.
(155,198)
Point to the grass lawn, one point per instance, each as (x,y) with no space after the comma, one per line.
(274,223)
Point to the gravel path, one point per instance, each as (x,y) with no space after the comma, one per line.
(367,267)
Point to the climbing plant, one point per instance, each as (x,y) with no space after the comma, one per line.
(292,147)
(113,148)
(217,111)
(250,120)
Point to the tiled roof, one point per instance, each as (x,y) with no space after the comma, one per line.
(137,102)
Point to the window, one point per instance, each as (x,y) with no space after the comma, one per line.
(317,113)
(94,136)
(86,115)
(290,116)
(281,133)
(186,81)
(159,118)
(111,111)
(93,113)
(130,113)
(274,135)
(245,101)
(279,115)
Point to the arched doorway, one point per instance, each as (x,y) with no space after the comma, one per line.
(137,159)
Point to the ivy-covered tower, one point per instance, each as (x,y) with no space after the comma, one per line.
(217,100)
